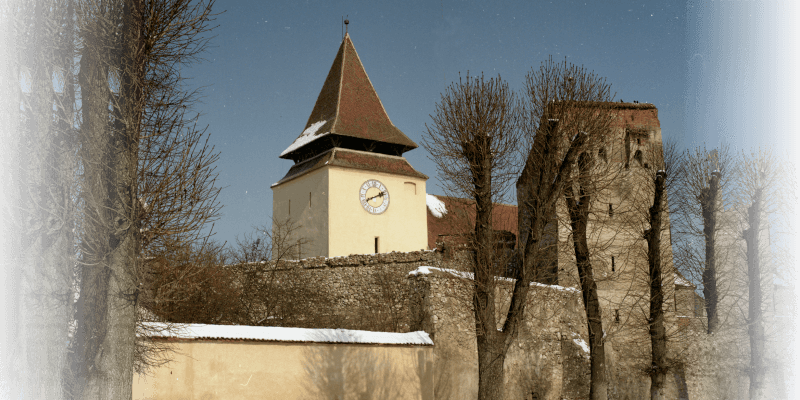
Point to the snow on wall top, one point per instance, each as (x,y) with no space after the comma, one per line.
(436,206)
(426,270)
(279,334)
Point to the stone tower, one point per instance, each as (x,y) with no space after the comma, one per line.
(350,190)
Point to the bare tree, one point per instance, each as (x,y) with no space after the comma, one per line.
(666,163)
(41,222)
(703,194)
(472,140)
(273,293)
(148,179)
(759,187)
(567,110)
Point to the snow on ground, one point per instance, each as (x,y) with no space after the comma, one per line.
(279,334)
(308,135)
(425,270)
(435,205)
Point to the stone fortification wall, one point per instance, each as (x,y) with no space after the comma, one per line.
(547,360)
(368,292)
(377,292)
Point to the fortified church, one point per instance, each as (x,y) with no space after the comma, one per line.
(351,191)
(372,234)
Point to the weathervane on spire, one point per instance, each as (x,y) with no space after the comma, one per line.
(345,22)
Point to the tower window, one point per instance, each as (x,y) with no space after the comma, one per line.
(602,154)
(610,210)
(613,264)
(410,187)
(290,207)
(616,315)
(309,200)
(638,156)
(377,239)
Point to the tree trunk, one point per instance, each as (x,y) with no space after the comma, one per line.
(579,218)
(106,331)
(491,352)
(491,358)
(658,333)
(709,199)
(756,317)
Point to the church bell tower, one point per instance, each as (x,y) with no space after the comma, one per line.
(350,190)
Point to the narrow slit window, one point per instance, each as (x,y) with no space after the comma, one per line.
(309,200)
(638,157)
(610,210)
(613,264)
(290,207)
(616,315)
(376,244)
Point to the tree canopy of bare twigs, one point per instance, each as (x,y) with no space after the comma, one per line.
(568,119)
(702,196)
(765,197)
(145,184)
(472,139)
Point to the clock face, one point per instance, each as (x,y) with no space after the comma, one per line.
(374,197)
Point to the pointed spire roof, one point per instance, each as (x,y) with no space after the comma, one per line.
(348,113)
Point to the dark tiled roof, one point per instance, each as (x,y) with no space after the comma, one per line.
(355,159)
(350,106)
(460,219)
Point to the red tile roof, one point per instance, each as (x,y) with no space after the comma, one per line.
(350,106)
(460,219)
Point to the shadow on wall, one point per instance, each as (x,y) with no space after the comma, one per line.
(339,372)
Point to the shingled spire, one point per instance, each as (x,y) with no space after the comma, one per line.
(348,114)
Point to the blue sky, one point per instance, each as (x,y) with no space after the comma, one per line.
(718,71)
(711,68)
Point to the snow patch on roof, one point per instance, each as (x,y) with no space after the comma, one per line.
(308,136)
(679,280)
(279,334)
(436,206)
(426,270)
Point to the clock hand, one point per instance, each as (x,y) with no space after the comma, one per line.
(377,195)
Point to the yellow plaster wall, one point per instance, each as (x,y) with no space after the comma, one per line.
(402,227)
(312,219)
(211,370)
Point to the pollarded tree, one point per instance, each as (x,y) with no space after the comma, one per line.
(472,139)
(660,181)
(702,195)
(568,117)
(765,195)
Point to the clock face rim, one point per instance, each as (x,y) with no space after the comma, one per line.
(362,197)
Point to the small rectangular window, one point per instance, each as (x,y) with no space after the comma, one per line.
(613,264)
(376,244)
(610,210)
(410,187)
(309,200)
(290,207)
(616,315)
